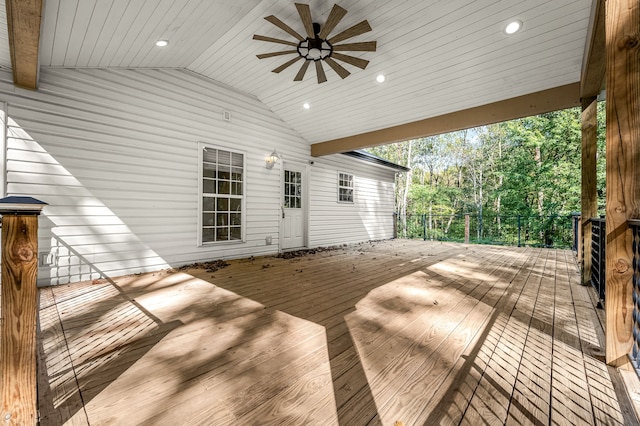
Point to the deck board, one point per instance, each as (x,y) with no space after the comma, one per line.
(419,332)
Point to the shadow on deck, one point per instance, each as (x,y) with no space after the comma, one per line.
(423,333)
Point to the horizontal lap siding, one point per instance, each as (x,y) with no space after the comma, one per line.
(115,154)
(370,217)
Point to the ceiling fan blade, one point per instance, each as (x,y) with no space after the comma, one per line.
(274,40)
(286,65)
(305,16)
(322,77)
(339,69)
(357,29)
(365,46)
(284,27)
(302,72)
(335,16)
(272,54)
(360,63)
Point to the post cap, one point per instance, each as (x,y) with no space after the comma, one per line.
(18,204)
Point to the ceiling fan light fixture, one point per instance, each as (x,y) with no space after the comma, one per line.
(306,105)
(513,27)
(314,54)
(381,78)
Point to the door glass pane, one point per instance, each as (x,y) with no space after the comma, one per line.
(292,189)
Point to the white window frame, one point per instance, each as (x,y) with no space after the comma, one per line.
(201,194)
(352,187)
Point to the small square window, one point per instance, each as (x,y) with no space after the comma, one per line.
(345,188)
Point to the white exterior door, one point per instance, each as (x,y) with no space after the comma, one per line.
(293,225)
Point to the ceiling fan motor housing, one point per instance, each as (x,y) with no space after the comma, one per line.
(315,49)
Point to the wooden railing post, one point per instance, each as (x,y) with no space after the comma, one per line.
(19,309)
(395,225)
(467,221)
(623,170)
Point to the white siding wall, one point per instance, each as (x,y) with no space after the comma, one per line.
(115,154)
(369,217)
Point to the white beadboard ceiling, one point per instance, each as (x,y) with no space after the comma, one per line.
(439,56)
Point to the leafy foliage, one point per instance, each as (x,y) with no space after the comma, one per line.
(527,167)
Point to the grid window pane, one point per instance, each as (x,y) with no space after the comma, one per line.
(223,182)
(222,234)
(236,233)
(207,219)
(223,204)
(209,170)
(207,235)
(208,204)
(345,188)
(224,187)
(209,186)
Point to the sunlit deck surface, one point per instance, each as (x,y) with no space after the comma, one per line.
(419,332)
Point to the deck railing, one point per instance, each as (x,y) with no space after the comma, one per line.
(540,231)
(635,245)
(598,260)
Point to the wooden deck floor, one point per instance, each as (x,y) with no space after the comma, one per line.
(422,333)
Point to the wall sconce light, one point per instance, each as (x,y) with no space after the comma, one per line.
(272,159)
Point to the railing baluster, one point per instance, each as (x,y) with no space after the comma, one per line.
(598,247)
(635,247)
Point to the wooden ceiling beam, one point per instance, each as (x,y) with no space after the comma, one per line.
(594,62)
(23,24)
(561,97)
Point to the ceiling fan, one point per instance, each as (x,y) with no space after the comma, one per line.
(317,46)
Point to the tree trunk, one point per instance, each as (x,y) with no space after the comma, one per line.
(538,158)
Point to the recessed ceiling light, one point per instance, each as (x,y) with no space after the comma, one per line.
(306,105)
(162,43)
(513,27)
(380,78)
